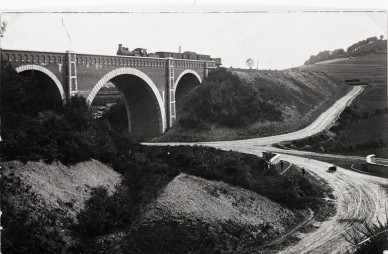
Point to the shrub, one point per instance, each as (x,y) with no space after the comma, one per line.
(227,101)
(70,136)
(94,219)
(117,117)
(27,229)
(25,95)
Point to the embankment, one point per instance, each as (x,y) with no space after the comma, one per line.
(195,215)
(300,96)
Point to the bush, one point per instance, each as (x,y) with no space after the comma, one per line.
(227,101)
(117,117)
(27,232)
(27,229)
(26,95)
(70,137)
(95,219)
(36,127)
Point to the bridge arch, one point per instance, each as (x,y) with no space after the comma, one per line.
(122,72)
(184,84)
(184,73)
(46,71)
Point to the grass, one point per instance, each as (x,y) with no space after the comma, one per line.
(373,97)
(371,68)
(368,129)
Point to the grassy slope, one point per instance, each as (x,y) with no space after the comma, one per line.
(193,214)
(58,186)
(372,69)
(303,97)
(40,202)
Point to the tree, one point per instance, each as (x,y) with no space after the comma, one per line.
(94,219)
(3,28)
(381,37)
(250,63)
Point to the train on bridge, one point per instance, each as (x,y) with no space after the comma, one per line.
(188,55)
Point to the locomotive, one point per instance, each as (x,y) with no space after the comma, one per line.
(142,52)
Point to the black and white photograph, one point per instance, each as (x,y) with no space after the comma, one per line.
(193,127)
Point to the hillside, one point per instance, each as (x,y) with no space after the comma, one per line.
(193,198)
(59,184)
(40,201)
(369,46)
(194,215)
(362,127)
(368,68)
(299,96)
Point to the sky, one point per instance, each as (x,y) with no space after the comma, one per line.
(276,39)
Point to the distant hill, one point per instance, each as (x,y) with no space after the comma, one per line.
(365,47)
(370,68)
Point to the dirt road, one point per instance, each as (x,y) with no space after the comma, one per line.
(359,198)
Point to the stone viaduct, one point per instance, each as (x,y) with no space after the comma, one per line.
(151,86)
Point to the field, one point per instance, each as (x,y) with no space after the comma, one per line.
(369,68)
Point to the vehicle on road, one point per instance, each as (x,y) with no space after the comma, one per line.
(332,169)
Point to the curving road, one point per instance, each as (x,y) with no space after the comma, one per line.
(359,197)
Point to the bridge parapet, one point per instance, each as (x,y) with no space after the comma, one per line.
(138,61)
(23,57)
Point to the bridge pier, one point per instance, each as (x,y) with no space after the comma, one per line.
(72,84)
(171,111)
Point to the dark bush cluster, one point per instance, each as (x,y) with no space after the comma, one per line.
(70,137)
(46,131)
(326,55)
(116,117)
(226,100)
(29,229)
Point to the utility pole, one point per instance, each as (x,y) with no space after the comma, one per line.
(257,64)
